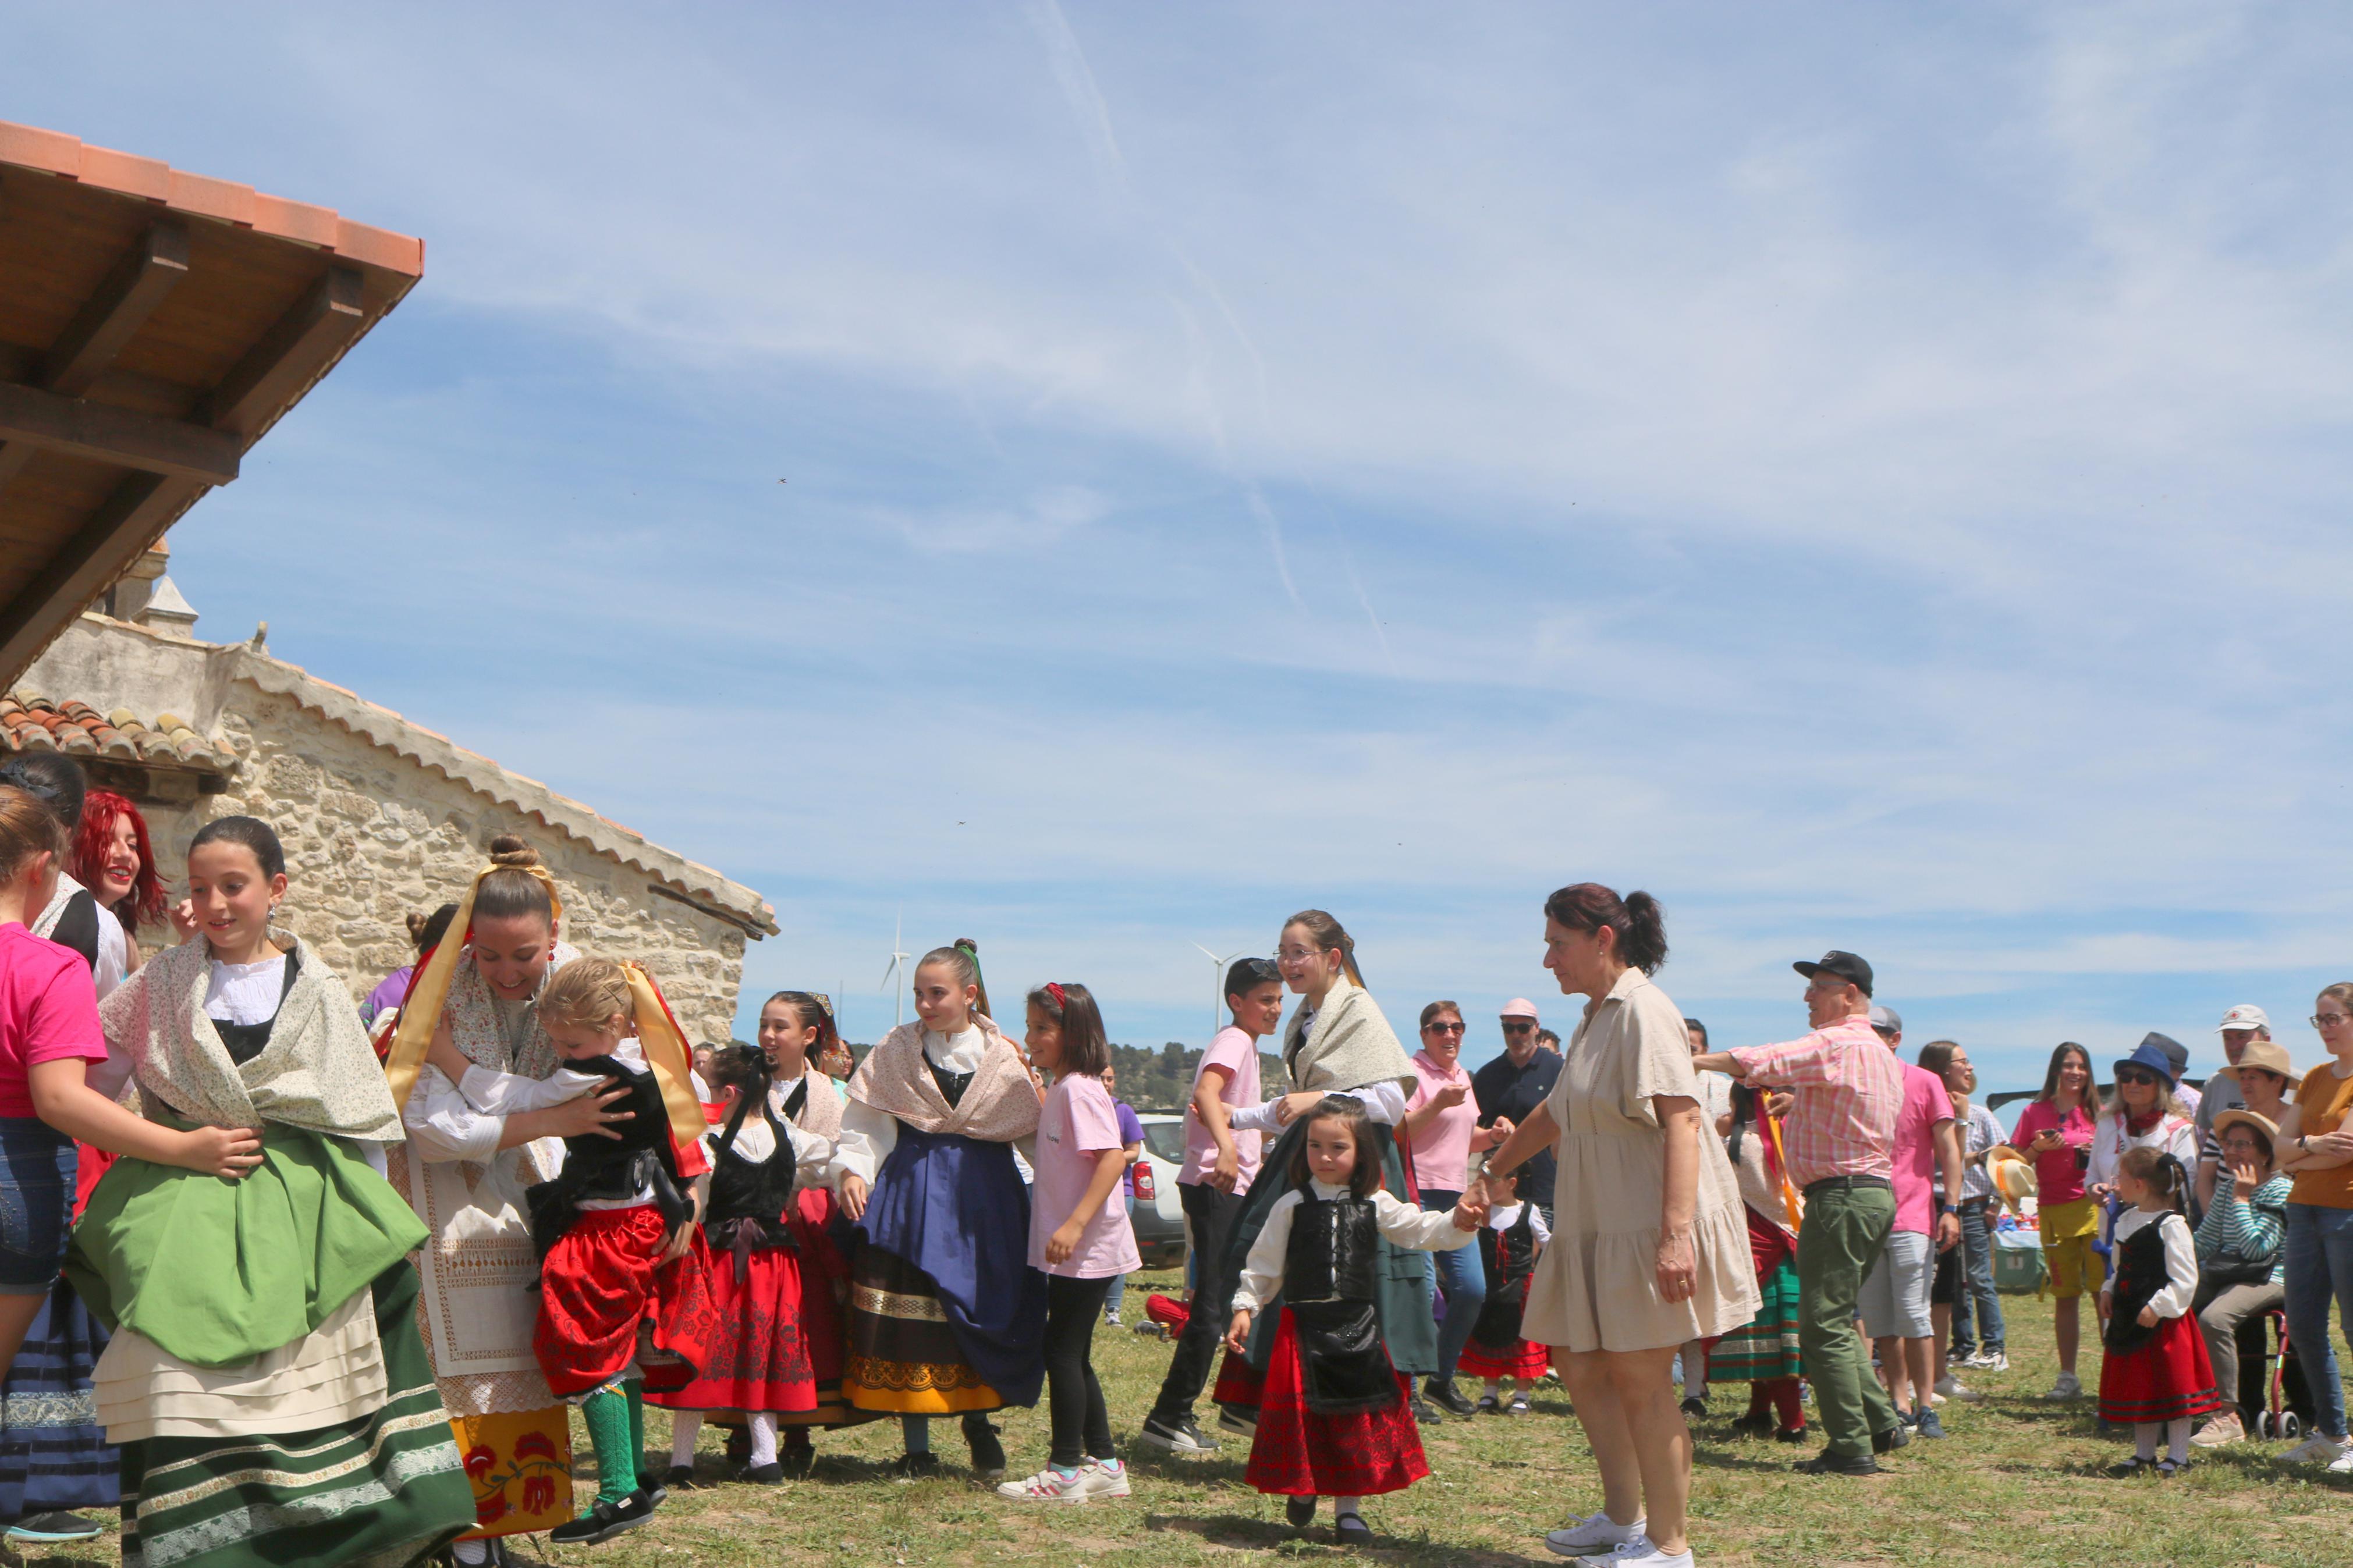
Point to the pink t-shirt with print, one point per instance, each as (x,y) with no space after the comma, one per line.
(1076,1124)
(1235,1051)
(1441,1150)
(1926,1101)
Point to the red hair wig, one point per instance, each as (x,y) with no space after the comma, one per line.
(100,810)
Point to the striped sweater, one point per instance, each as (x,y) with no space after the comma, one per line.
(2248,1228)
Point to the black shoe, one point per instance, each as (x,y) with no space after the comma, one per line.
(1753,1427)
(681,1477)
(656,1493)
(2130,1467)
(915,1467)
(987,1453)
(1790,1434)
(1827,1463)
(1350,1530)
(603,1520)
(1300,1512)
(767,1475)
(1693,1407)
(1440,1391)
(1489,1405)
(797,1460)
(1894,1437)
(1176,1437)
(1425,1412)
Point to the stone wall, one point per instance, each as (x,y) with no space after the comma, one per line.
(371,835)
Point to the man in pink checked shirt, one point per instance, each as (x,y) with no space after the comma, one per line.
(1839,1138)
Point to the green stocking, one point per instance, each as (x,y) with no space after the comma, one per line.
(607,1413)
(636,1389)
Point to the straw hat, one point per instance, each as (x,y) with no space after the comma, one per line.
(2268,1054)
(2012,1174)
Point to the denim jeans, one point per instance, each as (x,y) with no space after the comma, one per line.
(1463,1280)
(1976,1283)
(2319,1254)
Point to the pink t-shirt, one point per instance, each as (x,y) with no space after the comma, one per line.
(1926,1101)
(1235,1051)
(2058,1175)
(1441,1150)
(1076,1124)
(49,1010)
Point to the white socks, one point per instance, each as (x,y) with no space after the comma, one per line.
(2176,1440)
(685,1426)
(764,1437)
(1494,1388)
(1355,1505)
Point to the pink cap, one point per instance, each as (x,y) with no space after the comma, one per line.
(1521,1007)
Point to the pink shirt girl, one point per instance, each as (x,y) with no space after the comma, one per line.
(1077,1123)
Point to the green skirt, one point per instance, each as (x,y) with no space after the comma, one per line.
(1765,1347)
(240,1267)
(1403,1288)
(384,1489)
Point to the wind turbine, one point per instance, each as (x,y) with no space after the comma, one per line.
(898,961)
(1217,984)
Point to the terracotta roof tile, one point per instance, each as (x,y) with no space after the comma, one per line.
(32,722)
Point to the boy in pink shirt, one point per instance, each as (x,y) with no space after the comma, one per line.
(1895,1303)
(1220,1164)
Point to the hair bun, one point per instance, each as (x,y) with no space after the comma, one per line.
(415,926)
(966,943)
(506,850)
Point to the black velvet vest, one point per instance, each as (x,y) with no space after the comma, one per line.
(749,1197)
(1331,1288)
(2140,1275)
(611,1169)
(1510,1257)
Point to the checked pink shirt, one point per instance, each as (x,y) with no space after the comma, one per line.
(1848,1086)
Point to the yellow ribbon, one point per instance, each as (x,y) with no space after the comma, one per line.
(668,1054)
(429,989)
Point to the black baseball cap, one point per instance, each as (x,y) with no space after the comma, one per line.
(1845,965)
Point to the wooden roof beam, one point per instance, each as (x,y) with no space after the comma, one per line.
(142,507)
(288,357)
(147,272)
(106,433)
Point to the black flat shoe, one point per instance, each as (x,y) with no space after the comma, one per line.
(797,1460)
(1753,1427)
(767,1475)
(1693,1408)
(681,1477)
(1790,1434)
(1350,1530)
(1829,1464)
(603,1520)
(1300,1512)
(915,1467)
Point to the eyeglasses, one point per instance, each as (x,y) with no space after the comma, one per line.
(1453,1029)
(1293,954)
(2330,1020)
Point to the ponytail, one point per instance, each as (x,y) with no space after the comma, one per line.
(1640,924)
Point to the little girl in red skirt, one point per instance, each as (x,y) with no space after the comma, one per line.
(1332,1418)
(1515,1233)
(2156,1373)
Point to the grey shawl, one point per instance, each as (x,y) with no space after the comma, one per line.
(1351,1045)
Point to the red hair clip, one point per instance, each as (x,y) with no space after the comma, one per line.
(1061,1000)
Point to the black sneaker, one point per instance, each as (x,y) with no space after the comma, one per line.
(1441,1393)
(1425,1412)
(50,1528)
(1827,1463)
(1299,1511)
(797,1460)
(1176,1437)
(1232,1420)
(920,1466)
(767,1475)
(987,1453)
(603,1520)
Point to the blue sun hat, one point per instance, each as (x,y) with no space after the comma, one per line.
(2153,1056)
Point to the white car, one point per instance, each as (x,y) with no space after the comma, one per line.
(1159,1217)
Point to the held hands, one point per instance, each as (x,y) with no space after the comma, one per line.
(1063,1243)
(1238,1335)
(1470,1210)
(853,1196)
(1292,1107)
(229,1152)
(1678,1272)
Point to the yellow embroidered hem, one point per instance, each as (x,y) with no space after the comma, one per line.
(912,1388)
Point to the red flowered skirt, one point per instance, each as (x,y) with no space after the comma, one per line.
(1528,1361)
(1298,1453)
(2167,1379)
(599,1283)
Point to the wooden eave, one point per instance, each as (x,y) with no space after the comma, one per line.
(153,325)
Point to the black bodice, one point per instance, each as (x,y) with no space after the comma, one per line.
(1330,1284)
(246,1041)
(1334,1244)
(749,1197)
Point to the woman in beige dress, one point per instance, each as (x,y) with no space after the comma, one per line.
(1649,1248)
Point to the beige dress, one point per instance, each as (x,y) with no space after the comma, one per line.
(1595,1286)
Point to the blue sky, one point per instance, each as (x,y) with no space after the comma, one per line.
(1096,478)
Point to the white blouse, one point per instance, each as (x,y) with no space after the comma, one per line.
(2180,1257)
(1383,1102)
(868,1135)
(1417,1230)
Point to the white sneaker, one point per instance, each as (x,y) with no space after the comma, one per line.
(2068,1387)
(1105,1478)
(2342,1465)
(1951,1387)
(2315,1450)
(1992,1361)
(1637,1550)
(1110,1320)
(1050,1485)
(1598,1533)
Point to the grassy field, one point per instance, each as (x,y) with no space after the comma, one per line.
(2017,1482)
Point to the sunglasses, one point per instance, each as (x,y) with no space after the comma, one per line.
(2134,1074)
(1453,1029)
(1519,1028)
